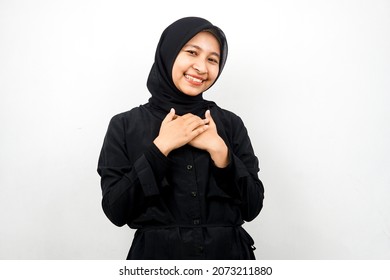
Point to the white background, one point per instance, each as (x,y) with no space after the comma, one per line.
(311,80)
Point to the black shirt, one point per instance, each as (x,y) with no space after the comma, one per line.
(183,206)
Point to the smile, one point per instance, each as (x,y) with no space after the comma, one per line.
(193,79)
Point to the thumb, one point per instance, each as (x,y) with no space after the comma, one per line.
(208,116)
(170,116)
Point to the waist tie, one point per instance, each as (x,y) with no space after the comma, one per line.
(172,226)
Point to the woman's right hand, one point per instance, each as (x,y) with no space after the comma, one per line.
(176,131)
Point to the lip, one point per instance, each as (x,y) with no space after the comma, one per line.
(194,79)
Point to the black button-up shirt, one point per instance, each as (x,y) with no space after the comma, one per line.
(182,206)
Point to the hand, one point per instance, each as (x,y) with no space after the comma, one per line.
(176,131)
(211,142)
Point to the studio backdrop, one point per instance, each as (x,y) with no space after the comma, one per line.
(310,79)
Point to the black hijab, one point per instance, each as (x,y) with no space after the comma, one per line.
(165,95)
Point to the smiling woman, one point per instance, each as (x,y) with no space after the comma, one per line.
(180,169)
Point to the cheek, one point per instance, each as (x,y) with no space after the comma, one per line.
(176,74)
(178,67)
(213,73)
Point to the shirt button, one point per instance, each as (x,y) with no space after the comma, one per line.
(189,167)
(193,194)
(196,221)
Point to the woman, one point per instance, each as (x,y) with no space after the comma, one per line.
(180,169)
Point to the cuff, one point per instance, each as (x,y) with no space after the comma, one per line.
(151,168)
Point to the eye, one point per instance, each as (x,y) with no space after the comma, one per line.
(191,52)
(214,60)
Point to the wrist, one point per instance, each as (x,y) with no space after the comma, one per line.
(164,149)
(220,156)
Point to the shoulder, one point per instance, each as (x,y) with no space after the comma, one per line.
(230,126)
(122,121)
(136,121)
(130,116)
(226,116)
(127,114)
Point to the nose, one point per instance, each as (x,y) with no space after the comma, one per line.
(200,67)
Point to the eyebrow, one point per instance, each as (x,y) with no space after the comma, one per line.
(199,48)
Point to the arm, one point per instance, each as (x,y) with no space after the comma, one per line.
(235,168)
(240,178)
(125,184)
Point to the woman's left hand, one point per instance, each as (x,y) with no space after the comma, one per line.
(211,142)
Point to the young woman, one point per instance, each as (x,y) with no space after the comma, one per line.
(180,169)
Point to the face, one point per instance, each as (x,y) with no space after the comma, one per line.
(197,65)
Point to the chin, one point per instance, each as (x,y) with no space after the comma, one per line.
(192,92)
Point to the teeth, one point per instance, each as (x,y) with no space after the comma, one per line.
(193,79)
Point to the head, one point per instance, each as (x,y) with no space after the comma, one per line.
(196,66)
(178,70)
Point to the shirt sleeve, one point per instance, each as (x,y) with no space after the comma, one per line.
(240,178)
(125,184)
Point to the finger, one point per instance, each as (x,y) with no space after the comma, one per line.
(207,114)
(199,130)
(188,116)
(170,116)
(209,117)
(195,123)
